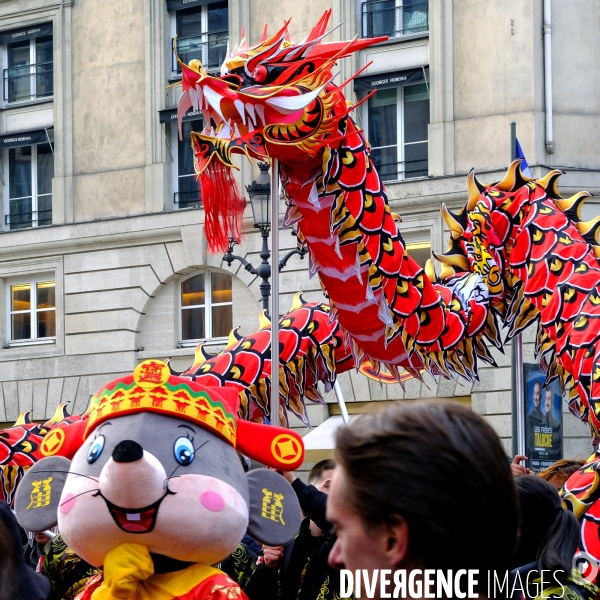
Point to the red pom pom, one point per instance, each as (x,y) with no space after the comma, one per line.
(260,74)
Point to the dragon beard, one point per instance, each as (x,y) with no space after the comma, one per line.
(223,206)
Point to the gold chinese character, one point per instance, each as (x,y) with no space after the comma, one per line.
(40,493)
(272,507)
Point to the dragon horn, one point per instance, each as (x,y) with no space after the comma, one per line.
(453,222)
(24,418)
(475,188)
(548,182)
(590,230)
(298,301)
(572,206)
(513,178)
(430,271)
(263,320)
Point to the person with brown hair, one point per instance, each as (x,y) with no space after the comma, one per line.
(422,485)
(558,473)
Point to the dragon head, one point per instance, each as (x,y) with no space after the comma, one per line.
(273,99)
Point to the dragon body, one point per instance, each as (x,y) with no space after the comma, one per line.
(519,253)
(21,447)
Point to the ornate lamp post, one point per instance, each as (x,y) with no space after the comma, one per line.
(259,192)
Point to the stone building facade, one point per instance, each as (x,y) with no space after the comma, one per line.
(102,228)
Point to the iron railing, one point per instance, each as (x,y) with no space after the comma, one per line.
(28,82)
(189,199)
(24,219)
(210,48)
(398,171)
(385,17)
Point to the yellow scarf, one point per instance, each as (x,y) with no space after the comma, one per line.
(129,575)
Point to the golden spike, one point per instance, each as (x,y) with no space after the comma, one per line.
(573,204)
(590,227)
(24,418)
(60,413)
(200,355)
(263,320)
(298,301)
(455,260)
(430,270)
(475,188)
(456,229)
(548,182)
(233,338)
(510,179)
(447,272)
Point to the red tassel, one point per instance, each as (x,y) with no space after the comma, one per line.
(223,206)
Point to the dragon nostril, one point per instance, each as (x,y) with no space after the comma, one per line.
(127,451)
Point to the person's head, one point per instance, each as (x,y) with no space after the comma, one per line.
(548,398)
(41,537)
(558,473)
(537,394)
(424,485)
(320,475)
(548,534)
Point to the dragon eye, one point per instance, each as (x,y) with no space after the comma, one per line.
(96,449)
(184,451)
(260,73)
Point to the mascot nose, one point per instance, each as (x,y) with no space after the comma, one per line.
(127,451)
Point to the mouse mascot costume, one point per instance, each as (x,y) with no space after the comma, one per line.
(156,493)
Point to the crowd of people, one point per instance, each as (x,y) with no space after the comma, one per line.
(421,485)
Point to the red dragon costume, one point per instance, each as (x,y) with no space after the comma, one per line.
(519,253)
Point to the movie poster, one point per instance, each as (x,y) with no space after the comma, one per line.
(543,422)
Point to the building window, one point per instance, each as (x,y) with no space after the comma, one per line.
(394,17)
(28,64)
(30,173)
(397,120)
(202,33)
(420,252)
(32,315)
(206,306)
(187,190)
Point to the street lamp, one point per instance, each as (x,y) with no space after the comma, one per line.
(259,192)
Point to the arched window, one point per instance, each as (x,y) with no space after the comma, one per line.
(206,306)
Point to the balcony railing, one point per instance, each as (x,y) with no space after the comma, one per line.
(28,82)
(385,17)
(22,217)
(210,48)
(398,171)
(187,199)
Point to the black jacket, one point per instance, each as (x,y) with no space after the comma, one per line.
(303,573)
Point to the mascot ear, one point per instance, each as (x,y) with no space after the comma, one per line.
(38,494)
(274,509)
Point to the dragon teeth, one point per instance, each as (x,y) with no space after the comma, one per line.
(251,114)
(240,108)
(260,111)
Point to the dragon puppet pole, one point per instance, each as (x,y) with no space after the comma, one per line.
(517,347)
(275,292)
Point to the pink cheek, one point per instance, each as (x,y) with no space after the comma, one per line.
(212,501)
(68,502)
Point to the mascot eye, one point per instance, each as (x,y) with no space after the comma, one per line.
(184,451)
(96,449)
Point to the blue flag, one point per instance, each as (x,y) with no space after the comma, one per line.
(524,165)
